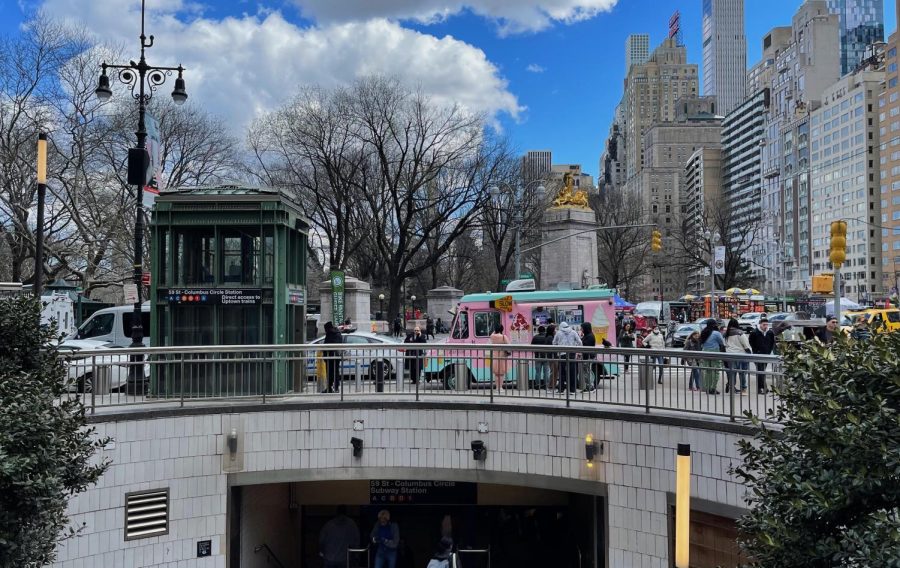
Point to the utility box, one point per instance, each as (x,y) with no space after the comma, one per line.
(823,283)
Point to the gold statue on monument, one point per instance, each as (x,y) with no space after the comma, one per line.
(568,196)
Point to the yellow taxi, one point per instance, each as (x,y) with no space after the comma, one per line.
(879,319)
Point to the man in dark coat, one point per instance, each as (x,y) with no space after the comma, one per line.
(762,342)
(333,336)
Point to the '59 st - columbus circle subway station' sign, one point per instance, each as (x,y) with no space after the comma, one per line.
(223,296)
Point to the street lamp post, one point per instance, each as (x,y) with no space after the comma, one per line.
(381,306)
(145,79)
(713,238)
(518,197)
(412,299)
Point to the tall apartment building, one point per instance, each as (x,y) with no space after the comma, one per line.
(889,129)
(702,196)
(760,75)
(651,91)
(724,52)
(536,165)
(862,24)
(743,133)
(580,179)
(845,156)
(637,50)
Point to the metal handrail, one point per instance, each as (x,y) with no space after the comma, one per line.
(359,551)
(269,554)
(486,551)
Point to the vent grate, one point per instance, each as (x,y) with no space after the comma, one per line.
(146,513)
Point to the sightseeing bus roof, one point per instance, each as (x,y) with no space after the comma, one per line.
(542,296)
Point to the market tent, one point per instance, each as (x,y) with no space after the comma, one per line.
(620,303)
(846,304)
(688,298)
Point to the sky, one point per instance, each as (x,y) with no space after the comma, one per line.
(547,73)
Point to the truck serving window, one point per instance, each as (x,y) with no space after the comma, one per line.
(461,326)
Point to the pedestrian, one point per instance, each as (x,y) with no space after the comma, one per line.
(762,342)
(541,359)
(711,341)
(655,340)
(429,327)
(736,342)
(338,534)
(499,357)
(828,334)
(861,329)
(627,338)
(568,364)
(589,372)
(333,336)
(554,358)
(398,325)
(441,557)
(692,343)
(385,536)
(415,357)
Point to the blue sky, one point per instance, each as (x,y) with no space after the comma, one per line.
(550,77)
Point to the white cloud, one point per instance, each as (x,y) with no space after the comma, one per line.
(535,68)
(512,16)
(240,67)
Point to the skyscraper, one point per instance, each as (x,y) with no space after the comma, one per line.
(724,52)
(637,50)
(862,23)
(536,165)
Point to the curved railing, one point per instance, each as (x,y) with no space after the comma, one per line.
(652,380)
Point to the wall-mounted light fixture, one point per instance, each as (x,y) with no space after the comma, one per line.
(232,442)
(357,444)
(359,425)
(482,427)
(592,449)
(479,450)
(683,506)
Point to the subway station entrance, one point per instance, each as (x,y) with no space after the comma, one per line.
(492,526)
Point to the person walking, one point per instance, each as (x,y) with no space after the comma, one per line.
(861,329)
(499,357)
(441,557)
(385,536)
(589,373)
(655,340)
(338,534)
(429,327)
(711,340)
(415,357)
(692,343)
(541,359)
(736,342)
(554,359)
(568,364)
(762,342)
(398,326)
(627,338)
(333,336)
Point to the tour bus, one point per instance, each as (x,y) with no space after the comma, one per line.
(520,313)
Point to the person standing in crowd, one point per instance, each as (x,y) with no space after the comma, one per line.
(554,362)
(762,342)
(736,342)
(398,326)
(541,359)
(626,339)
(589,372)
(861,329)
(385,536)
(333,336)
(429,327)
(655,340)
(499,357)
(338,534)
(568,365)
(711,340)
(692,343)
(415,357)
(828,334)
(441,557)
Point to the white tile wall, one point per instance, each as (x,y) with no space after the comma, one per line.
(185,455)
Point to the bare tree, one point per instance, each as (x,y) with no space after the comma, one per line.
(623,253)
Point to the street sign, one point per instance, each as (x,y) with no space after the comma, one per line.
(145,278)
(131,295)
(526,276)
(503,304)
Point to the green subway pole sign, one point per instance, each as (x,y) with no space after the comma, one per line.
(337,296)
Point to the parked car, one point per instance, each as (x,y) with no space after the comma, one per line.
(749,321)
(112,326)
(98,373)
(364,359)
(682,332)
(879,319)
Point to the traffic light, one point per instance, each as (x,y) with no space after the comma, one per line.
(838,243)
(656,241)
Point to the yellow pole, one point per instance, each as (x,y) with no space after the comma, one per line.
(683,506)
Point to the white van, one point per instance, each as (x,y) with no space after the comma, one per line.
(113,326)
(652,309)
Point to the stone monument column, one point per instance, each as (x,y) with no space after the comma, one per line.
(570,257)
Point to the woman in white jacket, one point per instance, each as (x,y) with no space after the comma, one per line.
(736,341)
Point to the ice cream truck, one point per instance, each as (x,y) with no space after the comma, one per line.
(520,313)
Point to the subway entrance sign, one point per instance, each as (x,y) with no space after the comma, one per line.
(423,492)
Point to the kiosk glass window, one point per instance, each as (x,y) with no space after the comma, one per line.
(163,257)
(240,325)
(240,257)
(485,322)
(192,325)
(268,257)
(195,254)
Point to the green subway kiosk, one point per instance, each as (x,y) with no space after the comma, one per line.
(228,267)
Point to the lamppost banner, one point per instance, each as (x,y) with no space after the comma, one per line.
(154,170)
(337,296)
(720,260)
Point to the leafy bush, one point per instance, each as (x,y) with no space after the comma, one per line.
(46,450)
(825,489)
